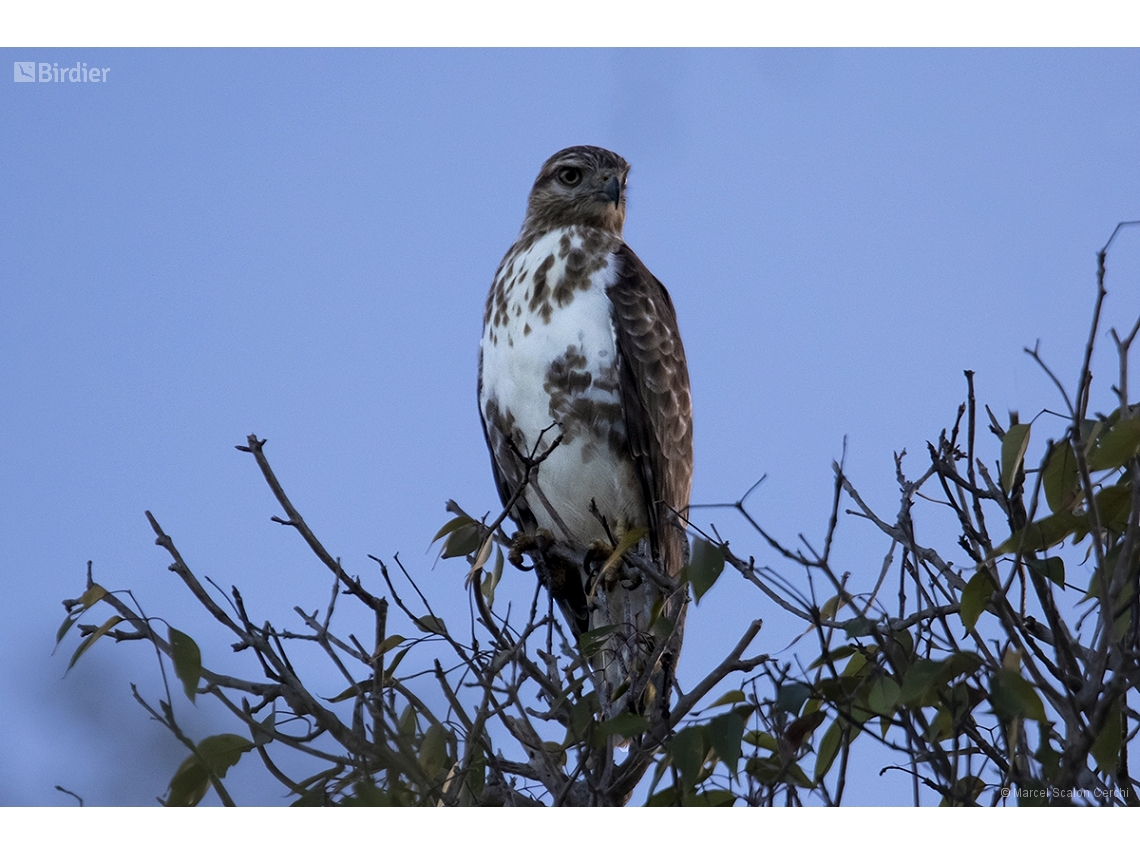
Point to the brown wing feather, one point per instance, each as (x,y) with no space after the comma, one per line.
(657,402)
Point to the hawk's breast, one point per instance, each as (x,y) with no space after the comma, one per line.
(549,368)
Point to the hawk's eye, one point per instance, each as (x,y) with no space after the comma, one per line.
(570,176)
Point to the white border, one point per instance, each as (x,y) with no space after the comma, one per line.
(570,23)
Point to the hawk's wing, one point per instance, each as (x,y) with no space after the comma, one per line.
(654,382)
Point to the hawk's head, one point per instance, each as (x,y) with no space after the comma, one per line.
(579,186)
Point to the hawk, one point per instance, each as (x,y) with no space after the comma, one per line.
(584,398)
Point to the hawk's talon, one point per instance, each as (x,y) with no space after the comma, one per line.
(521,544)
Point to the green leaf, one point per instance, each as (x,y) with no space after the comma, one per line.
(187,662)
(827,752)
(1120,444)
(189,785)
(214,753)
(735,696)
(1013,446)
(1113,505)
(391,669)
(222,751)
(453,524)
(1031,794)
(883,695)
(621,689)
(661,627)
(68,623)
(1052,568)
(959,663)
(388,643)
(766,770)
(356,690)
(791,696)
(834,655)
(800,729)
(476,775)
(966,791)
(706,562)
(918,682)
(433,750)
(688,750)
(311,798)
(625,724)
(856,664)
(829,609)
(1013,697)
(593,641)
(712,798)
(668,797)
(491,580)
(463,541)
(628,540)
(859,626)
(724,734)
(432,624)
(406,723)
(1091,430)
(1061,478)
(1106,746)
(904,641)
(483,554)
(942,727)
(581,717)
(975,598)
(555,752)
(1049,759)
(92,595)
(85,645)
(796,776)
(367,794)
(761,739)
(1043,533)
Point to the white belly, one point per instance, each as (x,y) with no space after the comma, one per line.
(549,369)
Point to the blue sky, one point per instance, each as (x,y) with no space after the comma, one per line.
(298,244)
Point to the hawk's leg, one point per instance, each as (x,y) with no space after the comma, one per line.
(559,569)
(521,544)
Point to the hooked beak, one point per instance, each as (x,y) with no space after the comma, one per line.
(613,190)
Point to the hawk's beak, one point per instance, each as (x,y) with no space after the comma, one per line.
(613,190)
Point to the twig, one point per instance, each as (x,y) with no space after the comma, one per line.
(296,521)
(729,665)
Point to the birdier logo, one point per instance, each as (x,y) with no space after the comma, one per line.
(51,72)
